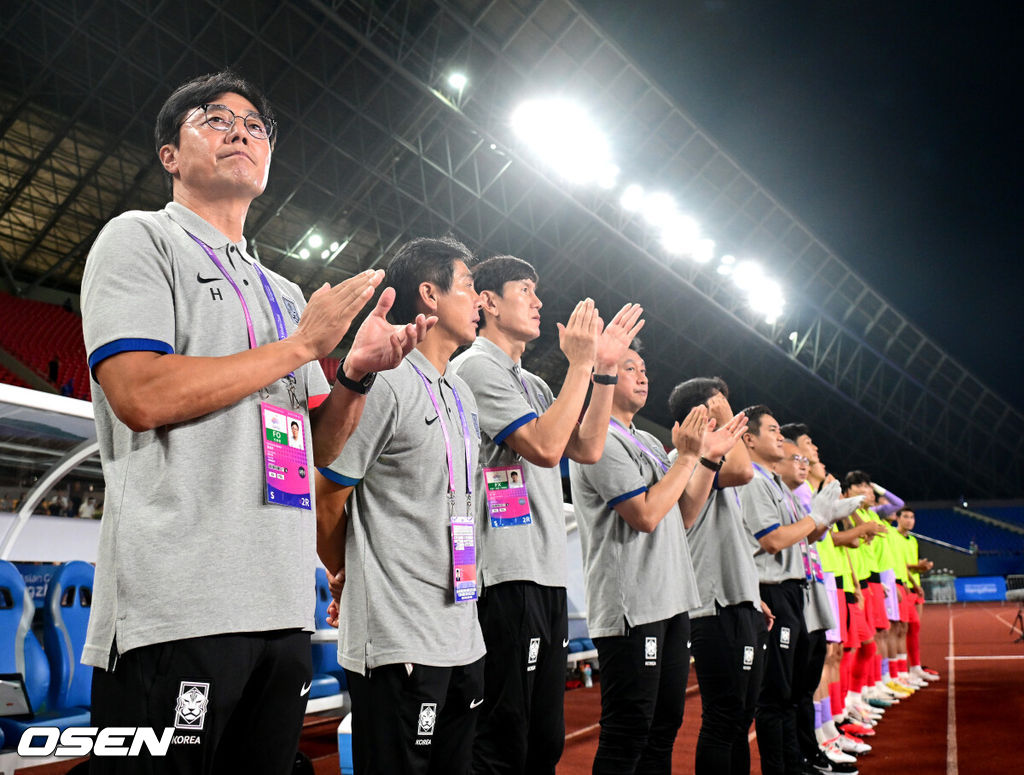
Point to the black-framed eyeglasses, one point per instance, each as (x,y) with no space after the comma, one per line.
(222,118)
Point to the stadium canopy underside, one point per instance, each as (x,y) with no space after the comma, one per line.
(377,147)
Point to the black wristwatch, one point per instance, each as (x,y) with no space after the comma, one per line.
(711,464)
(361,387)
(606,379)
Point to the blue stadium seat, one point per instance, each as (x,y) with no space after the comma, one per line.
(65,619)
(21,653)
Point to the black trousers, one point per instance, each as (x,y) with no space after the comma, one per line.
(643,692)
(776,710)
(521,729)
(729,656)
(415,719)
(236,702)
(810,660)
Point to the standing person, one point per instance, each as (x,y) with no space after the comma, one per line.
(633,506)
(729,629)
(819,619)
(905,521)
(396,517)
(775,533)
(521,526)
(194,349)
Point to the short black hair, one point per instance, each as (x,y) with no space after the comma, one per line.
(492,274)
(855,477)
(694,392)
(422,260)
(794,430)
(199,91)
(754,414)
(901,510)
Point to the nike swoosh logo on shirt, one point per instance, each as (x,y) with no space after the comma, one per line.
(429,422)
(565,643)
(475,704)
(202,279)
(305,689)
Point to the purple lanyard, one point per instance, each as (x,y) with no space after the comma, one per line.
(638,444)
(517,372)
(448,440)
(275,308)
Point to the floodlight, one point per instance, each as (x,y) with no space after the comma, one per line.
(632,198)
(457,81)
(766,297)
(793,336)
(334,246)
(680,235)
(747,275)
(303,254)
(562,135)
(704,251)
(659,208)
(325,254)
(315,241)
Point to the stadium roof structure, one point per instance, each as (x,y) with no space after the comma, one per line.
(377,146)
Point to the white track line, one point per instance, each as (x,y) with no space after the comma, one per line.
(970,659)
(1012,625)
(583,731)
(592,727)
(951,754)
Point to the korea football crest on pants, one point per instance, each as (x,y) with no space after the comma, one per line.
(532,654)
(193,701)
(650,652)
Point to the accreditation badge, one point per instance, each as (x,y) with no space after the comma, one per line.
(287,471)
(507,501)
(463,533)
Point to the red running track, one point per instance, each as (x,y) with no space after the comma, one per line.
(978,735)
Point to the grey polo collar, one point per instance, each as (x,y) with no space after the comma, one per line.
(203,229)
(420,361)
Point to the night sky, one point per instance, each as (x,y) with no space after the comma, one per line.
(888,128)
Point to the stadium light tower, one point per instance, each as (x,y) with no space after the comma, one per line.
(561,133)
(458,81)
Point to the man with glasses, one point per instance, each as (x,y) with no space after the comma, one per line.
(202,360)
(776,534)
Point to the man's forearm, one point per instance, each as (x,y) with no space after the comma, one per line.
(148,390)
(333,422)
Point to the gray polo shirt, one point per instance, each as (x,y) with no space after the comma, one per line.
(766,508)
(629,576)
(398,602)
(722,558)
(534,552)
(187,546)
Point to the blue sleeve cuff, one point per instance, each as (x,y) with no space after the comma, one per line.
(100,354)
(513,426)
(714,484)
(766,531)
(334,476)
(625,497)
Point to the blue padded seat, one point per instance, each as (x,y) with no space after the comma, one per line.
(20,652)
(65,620)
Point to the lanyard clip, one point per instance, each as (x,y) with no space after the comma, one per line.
(290,383)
